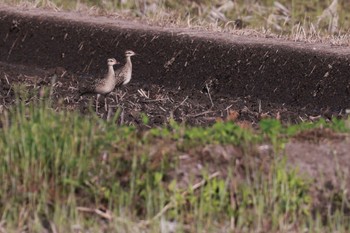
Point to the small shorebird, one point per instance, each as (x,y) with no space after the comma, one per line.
(123,74)
(102,86)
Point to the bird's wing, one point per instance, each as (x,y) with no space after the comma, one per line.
(119,76)
(118,71)
(119,81)
(88,84)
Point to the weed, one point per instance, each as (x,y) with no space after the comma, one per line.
(296,20)
(60,168)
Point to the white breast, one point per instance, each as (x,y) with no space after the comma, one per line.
(127,78)
(107,87)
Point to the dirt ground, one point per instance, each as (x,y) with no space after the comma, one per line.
(188,78)
(306,76)
(160,104)
(317,154)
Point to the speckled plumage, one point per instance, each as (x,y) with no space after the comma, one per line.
(123,74)
(101,86)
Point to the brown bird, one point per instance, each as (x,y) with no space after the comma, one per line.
(123,74)
(102,86)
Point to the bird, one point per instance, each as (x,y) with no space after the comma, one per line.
(123,74)
(102,86)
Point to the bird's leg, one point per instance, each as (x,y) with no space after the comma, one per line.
(116,97)
(106,105)
(97,97)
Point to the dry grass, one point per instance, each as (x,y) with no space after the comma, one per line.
(312,21)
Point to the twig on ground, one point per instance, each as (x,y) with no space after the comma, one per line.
(162,108)
(181,103)
(7,94)
(143,93)
(301,119)
(228,107)
(116,98)
(155,100)
(172,203)
(131,103)
(103,214)
(7,80)
(67,99)
(109,114)
(200,114)
(314,118)
(259,103)
(212,104)
(72,88)
(121,97)
(53,227)
(122,117)
(208,118)
(172,111)
(13,45)
(53,81)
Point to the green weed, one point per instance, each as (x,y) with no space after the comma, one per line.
(54,164)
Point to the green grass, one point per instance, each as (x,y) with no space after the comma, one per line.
(54,163)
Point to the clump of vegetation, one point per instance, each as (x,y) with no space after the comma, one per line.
(298,19)
(63,171)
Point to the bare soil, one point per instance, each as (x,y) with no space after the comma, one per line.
(306,76)
(193,77)
(159,103)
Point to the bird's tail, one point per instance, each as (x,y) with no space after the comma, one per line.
(86,88)
(85,91)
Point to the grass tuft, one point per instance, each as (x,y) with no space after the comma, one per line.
(62,171)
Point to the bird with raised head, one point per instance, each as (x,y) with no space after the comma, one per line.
(123,74)
(102,86)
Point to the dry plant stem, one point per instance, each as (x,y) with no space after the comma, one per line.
(7,80)
(172,111)
(122,118)
(154,100)
(200,114)
(53,81)
(172,203)
(116,97)
(53,227)
(211,101)
(13,45)
(180,104)
(105,215)
(143,94)
(109,114)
